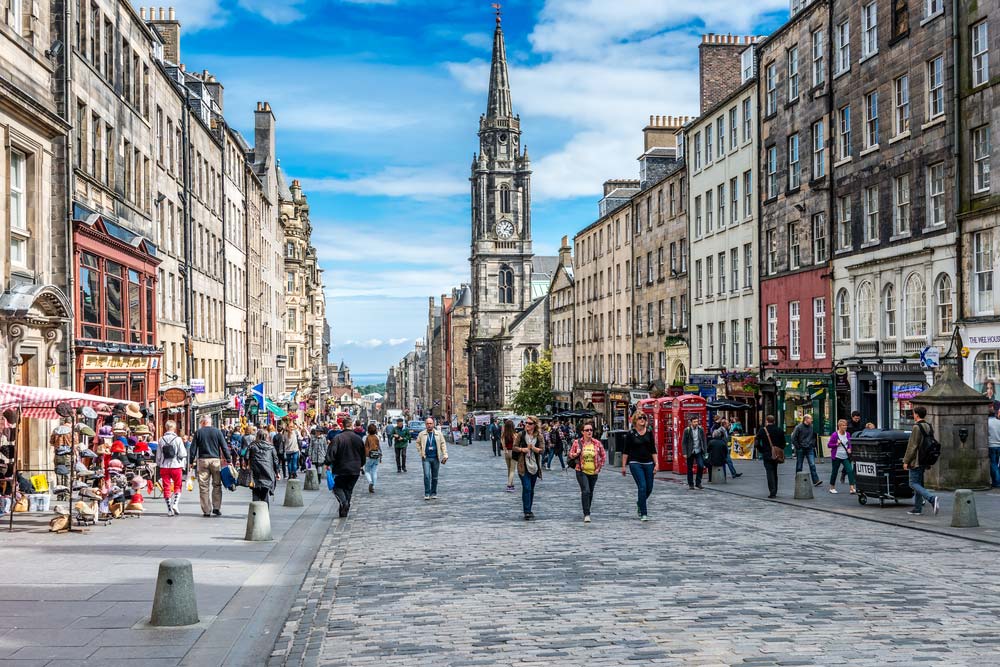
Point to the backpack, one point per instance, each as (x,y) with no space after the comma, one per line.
(169,449)
(930,448)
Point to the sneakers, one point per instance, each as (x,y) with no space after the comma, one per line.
(833,490)
(915,511)
(427,497)
(818,483)
(510,488)
(586,518)
(700,487)
(644,518)
(690,488)
(527,516)
(434,496)
(937,504)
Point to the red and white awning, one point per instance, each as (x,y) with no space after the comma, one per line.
(41,402)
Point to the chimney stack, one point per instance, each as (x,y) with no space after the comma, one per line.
(263,138)
(662,131)
(169,30)
(566,253)
(719,66)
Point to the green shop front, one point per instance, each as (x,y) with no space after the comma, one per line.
(802,394)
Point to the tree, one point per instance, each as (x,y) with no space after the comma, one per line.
(536,387)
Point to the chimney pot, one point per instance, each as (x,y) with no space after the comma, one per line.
(162,14)
(650,120)
(142,13)
(170,13)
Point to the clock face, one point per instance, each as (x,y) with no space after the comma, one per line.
(505,229)
(503,138)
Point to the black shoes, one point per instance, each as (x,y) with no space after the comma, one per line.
(529,516)
(342,512)
(737,474)
(371,488)
(217,512)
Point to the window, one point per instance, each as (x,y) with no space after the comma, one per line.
(734,337)
(901,104)
(914,307)
(734,200)
(659,264)
(933,7)
(935,194)
(747,194)
(709,155)
(772,172)
(722,345)
(290,281)
(866,311)
(935,87)
(711,344)
(732,129)
(684,311)
(292,312)
(709,275)
(709,212)
(844,237)
(792,57)
(981,159)
(697,279)
(794,254)
(944,297)
(794,170)
(649,267)
(980,53)
(869,30)
(889,312)
(505,284)
(746,65)
(771,246)
(673,313)
(901,205)
(871,119)
(18,210)
(772,331)
(700,337)
(844,132)
(842,37)
(649,319)
(720,135)
(720,199)
(638,272)
(819,150)
(900,18)
(734,269)
(771,98)
(697,151)
(115,300)
(819,238)
(818,57)
(982,269)
(748,340)
(747,120)
(819,327)
(747,265)
(673,258)
(697,217)
(722,273)
(505,198)
(871,214)
(843,316)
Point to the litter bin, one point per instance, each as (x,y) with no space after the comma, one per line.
(878,465)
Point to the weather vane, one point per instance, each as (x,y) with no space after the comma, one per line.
(496,6)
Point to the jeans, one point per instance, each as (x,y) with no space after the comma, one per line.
(692,461)
(642,473)
(771,470)
(528,482)
(371,471)
(496,446)
(547,457)
(920,493)
(995,465)
(848,466)
(431,468)
(400,459)
(293,463)
(282,465)
(562,461)
(809,455)
(729,461)
(343,488)
(587,484)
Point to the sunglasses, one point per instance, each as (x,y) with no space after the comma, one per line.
(587,429)
(642,419)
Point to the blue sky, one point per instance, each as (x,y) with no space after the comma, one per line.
(377,104)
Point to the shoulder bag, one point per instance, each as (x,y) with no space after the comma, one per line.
(574,461)
(777,453)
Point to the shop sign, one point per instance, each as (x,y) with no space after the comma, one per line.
(637,396)
(979,342)
(617,396)
(691,389)
(230,413)
(117,377)
(93,377)
(841,379)
(597,397)
(930,356)
(280,360)
(174,395)
(197,385)
(904,391)
(113,362)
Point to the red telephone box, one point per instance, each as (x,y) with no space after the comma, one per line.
(684,408)
(657,411)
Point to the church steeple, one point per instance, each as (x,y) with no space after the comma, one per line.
(498,104)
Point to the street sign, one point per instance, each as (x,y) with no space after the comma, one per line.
(197,385)
(930,356)
(230,413)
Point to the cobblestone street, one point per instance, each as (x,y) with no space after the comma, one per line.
(712,579)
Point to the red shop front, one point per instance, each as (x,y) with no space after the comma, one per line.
(116,351)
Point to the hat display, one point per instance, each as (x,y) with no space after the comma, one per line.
(83,429)
(62,450)
(59,523)
(88,454)
(87,412)
(103,448)
(62,430)
(63,410)
(118,447)
(105,431)
(115,465)
(120,427)
(141,447)
(133,411)
(141,429)
(62,470)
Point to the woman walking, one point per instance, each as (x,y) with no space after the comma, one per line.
(528,450)
(373,456)
(264,464)
(508,437)
(840,454)
(588,456)
(292,451)
(639,459)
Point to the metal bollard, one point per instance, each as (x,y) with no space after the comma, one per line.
(803,486)
(293,493)
(174,602)
(963,514)
(312,480)
(258,522)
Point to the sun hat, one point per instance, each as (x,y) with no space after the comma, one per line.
(133,411)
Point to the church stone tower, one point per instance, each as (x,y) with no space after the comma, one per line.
(501,260)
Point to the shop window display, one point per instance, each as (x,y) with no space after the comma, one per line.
(900,406)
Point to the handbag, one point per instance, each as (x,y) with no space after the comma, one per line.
(573,461)
(777,453)
(245,478)
(228,475)
(531,464)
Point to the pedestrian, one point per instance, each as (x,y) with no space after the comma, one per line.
(993,439)
(208,451)
(400,441)
(171,455)
(345,457)
(736,428)
(507,438)
(639,458)
(694,446)
(547,453)
(840,454)
(278,441)
(433,451)
(527,452)
(855,426)
(723,433)
(804,443)
(263,461)
(494,433)
(555,445)
(587,456)
(292,451)
(373,456)
(769,442)
(913,464)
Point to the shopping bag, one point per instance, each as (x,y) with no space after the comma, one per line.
(191,482)
(329,479)
(40,482)
(228,474)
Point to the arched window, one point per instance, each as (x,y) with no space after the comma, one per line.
(945,300)
(505,198)
(505,281)
(530,356)
(681,374)
(915,307)
(843,315)
(889,311)
(866,311)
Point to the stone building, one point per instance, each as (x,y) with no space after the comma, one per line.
(435,338)
(562,319)
(35,312)
(236,177)
(455,325)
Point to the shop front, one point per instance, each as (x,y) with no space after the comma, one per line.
(882,392)
(799,394)
(981,367)
(618,409)
(175,405)
(704,385)
(743,388)
(561,400)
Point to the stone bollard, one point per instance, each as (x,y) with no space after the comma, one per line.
(963,514)
(174,602)
(718,476)
(312,480)
(803,486)
(293,493)
(258,522)
(617,459)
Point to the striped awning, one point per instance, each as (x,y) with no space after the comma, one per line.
(41,402)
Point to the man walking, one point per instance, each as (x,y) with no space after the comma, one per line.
(493,430)
(804,442)
(913,464)
(769,436)
(433,452)
(208,450)
(170,456)
(400,441)
(993,432)
(855,426)
(345,456)
(694,448)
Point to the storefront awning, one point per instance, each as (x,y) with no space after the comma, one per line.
(41,402)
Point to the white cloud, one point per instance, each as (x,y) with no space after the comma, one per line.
(478,40)
(194,15)
(418,183)
(398,341)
